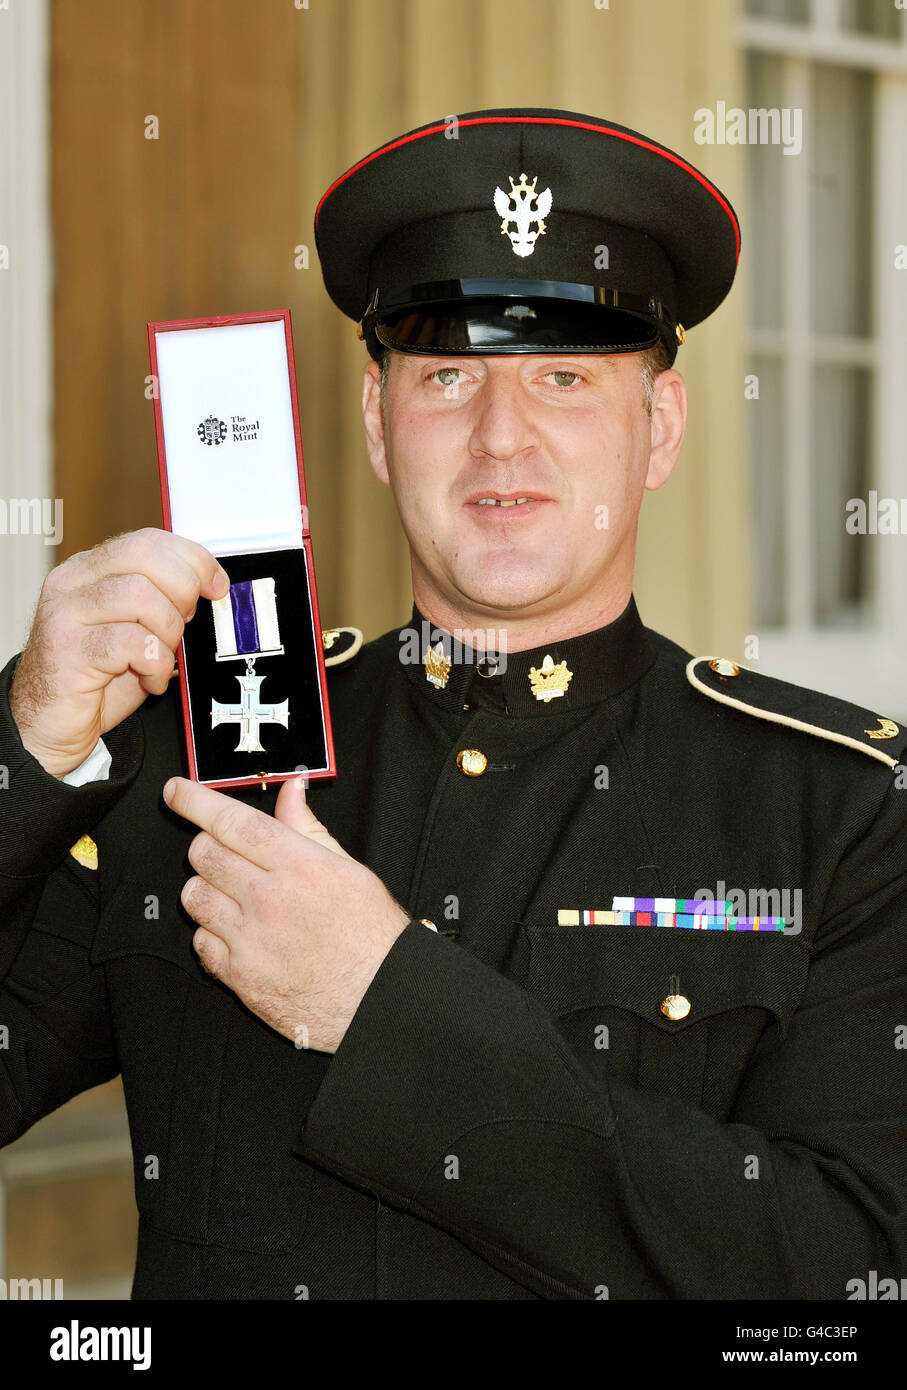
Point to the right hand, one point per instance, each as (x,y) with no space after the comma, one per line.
(106,628)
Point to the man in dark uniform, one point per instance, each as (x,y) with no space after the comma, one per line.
(585,977)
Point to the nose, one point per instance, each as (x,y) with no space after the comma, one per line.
(503,428)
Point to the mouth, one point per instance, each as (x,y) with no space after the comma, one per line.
(487,505)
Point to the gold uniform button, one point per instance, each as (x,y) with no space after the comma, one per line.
(724,668)
(472,762)
(675,1007)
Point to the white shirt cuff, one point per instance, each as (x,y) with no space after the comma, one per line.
(95,768)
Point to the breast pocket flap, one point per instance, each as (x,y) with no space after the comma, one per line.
(136,920)
(640,969)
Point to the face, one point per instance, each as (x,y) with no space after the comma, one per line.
(519,478)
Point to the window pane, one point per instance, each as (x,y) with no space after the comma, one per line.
(840,152)
(796,11)
(767,495)
(878,17)
(763,236)
(841,470)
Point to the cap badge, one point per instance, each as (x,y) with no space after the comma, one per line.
(437,665)
(521,214)
(549,681)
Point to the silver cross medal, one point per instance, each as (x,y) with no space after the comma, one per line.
(245,628)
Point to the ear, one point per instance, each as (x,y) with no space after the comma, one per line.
(669,422)
(373,417)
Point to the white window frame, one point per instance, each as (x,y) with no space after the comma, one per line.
(867,665)
(26,322)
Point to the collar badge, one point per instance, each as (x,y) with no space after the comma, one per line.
(549,681)
(437,665)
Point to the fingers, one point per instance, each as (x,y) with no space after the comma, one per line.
(224,870)
(180,568)
(149,579)
(213,953)
(128,598)
(255,836)
(107,625)
(122,688)
(212,909)
(292,809)
(118,647)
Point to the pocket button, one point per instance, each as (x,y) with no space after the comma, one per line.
(675,1007)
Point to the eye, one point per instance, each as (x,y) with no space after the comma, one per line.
(564,377)
(446,376)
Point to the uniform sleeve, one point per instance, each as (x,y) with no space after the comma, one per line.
(454,1097)
(55,1032)
(55,1037)
(41,816)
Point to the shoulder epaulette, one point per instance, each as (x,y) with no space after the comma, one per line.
(796,707)
(340,644)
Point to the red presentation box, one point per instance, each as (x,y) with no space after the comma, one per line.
(231,472)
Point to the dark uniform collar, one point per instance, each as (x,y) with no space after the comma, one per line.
(588,668)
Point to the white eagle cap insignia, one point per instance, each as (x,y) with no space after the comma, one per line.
(521,213)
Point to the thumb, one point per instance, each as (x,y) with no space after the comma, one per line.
(292,809)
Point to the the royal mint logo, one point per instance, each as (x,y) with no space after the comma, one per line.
(241,429)
(244,430)
(212,431)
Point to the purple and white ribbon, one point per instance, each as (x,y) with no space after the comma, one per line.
(245,620)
